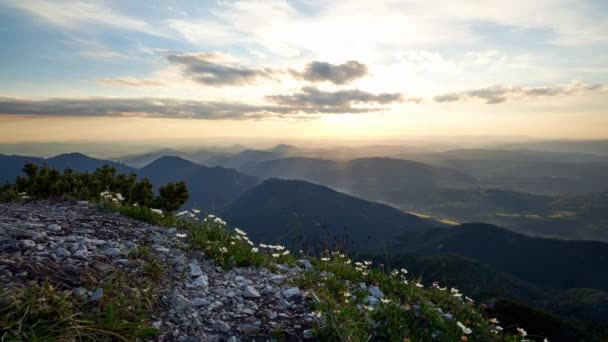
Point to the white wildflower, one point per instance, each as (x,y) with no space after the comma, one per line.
(469,299)
(240,232)
(464,328)
(275,255)
(263,245)
(223,250)
(157,211)
(255,250)
(493,320)
(419,285)
(385,301)
(286,253)
(522,332)
(180,235)
(196,211)
(181,213)
(324,259)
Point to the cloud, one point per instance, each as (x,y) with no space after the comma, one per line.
(216,69)
(311,99)
(72,14)
(499,94)
(129,82)
(317,103)
(336,73)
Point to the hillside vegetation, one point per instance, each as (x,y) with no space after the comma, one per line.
(351,300)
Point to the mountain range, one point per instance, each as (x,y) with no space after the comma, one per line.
(564,277)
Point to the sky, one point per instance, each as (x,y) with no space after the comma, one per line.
(306,69)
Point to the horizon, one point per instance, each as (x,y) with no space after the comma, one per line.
(387,70)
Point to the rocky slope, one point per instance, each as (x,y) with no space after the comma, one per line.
(75,246)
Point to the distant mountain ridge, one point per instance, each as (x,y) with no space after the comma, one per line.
(292,211)
(12,165)
(210,188)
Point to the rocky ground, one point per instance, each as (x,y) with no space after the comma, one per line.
(68,243)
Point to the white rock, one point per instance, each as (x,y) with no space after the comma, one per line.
(62,252)
(369,300)
(201,281)
(200,302)
(111,251)
(291,293)
(54,227)
(27,244)
(250,292)
(195,269)
(375,291)
(180,303)
(221,326)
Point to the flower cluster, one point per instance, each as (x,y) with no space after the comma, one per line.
(111,196)
(23,196)
(190,215)
(363,267)
(214,219)
(157,211)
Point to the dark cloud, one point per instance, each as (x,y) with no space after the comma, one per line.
(308,104)
(145,107)
(215,69)
(313,99)
(335,73)
(499,94)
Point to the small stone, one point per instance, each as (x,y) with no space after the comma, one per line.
(180,303)
(362,286)
(250,292)
(232,339)
(162,249)
(375,291)
(54,227)
(221,326)
(305,263)
(97,295)
(62,252)
(202,281)
(274,315)
(195,269)
(277,278)
(172,230)
(83,202)
(200,302)
(308,334)
(370,300)
(111,251)
(83,254)
(448,316)
(249,328)
(291,293)
(27,244)
(157,324)
(79,292)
